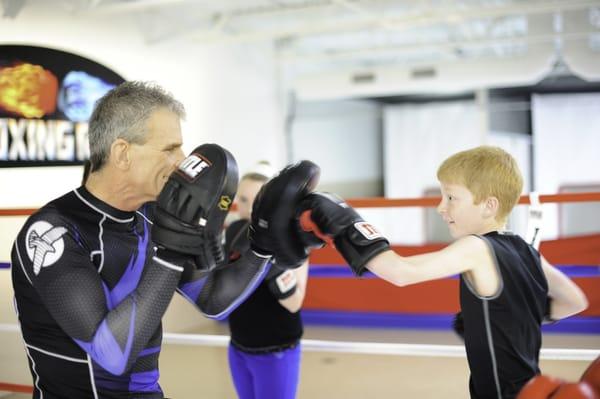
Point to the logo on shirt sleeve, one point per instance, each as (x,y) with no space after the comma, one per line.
(44,244)
(286,281)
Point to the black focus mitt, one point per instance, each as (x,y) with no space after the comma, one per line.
(192,207)
(275,228)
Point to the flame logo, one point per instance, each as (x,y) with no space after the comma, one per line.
(28,90)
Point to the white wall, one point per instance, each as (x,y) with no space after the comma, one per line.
(230,92)
(566,147)
(344,139)
(418,137)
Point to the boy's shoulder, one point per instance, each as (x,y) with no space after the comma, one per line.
(472,242)
(473,249)
(482,249)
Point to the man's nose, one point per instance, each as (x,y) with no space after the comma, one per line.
(179,156)
(176,157)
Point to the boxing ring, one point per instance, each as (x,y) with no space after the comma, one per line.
(329,278)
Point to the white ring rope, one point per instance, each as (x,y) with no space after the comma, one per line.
(366,348)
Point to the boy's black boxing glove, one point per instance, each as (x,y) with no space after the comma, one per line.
(327,215)
(191,208)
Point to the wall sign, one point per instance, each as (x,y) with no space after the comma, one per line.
(46,99)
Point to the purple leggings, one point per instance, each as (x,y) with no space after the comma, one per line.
(265,376)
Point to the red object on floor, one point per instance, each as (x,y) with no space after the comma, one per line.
(540,387)
(592,375)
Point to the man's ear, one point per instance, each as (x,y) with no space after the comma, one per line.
(491,207)
(120,154)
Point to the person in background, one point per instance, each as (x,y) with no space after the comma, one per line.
(264,352)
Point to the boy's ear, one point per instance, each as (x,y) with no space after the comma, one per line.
(492,205)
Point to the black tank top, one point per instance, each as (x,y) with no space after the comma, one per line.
(503,332)
(259,324)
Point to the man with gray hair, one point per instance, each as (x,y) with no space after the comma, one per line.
(95,269)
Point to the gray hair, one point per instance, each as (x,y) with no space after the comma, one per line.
(122,113)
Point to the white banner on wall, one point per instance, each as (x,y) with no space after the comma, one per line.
(417,138)
(566,142)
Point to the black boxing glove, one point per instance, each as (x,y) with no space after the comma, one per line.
(328,216)
(191,208)
(274,229)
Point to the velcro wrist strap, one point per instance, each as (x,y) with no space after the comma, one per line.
(360,243)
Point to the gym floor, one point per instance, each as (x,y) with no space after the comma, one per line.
(197,371)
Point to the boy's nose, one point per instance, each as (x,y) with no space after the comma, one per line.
(441,208)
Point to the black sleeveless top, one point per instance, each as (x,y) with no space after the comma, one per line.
(260,324)
(503,332)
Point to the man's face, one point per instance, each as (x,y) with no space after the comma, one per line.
(153,161)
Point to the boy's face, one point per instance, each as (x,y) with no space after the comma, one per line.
(459,212)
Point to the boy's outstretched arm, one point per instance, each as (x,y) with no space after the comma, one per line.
(566,297)
(466,254)
(364,248)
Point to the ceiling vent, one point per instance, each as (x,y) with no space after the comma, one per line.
(423,73)
(363,78)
